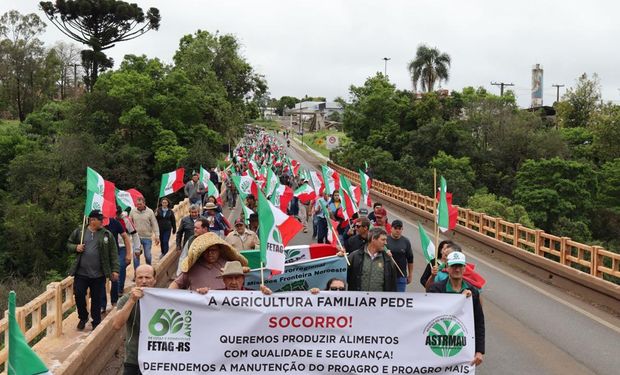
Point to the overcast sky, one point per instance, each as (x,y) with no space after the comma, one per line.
(321,47)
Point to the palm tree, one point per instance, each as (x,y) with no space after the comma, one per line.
(430,66)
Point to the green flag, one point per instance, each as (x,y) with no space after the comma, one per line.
(428,247)
(443,216)
(22,359)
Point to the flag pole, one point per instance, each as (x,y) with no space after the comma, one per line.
(393,261)
(340,245)
(262,275)
(436,209)
(83,228)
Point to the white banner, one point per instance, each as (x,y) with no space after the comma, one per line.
(182,332)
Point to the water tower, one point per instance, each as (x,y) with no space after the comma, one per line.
(537,86)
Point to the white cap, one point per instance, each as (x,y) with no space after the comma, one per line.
(456,257)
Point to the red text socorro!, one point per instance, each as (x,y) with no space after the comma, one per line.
(311,322)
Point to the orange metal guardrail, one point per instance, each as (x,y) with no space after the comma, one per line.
(593,260)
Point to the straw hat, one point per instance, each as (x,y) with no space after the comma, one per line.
(206,241)
(233,268)
(210,206)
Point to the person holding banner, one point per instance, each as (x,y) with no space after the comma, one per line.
(233,276)
(128,315)
(333,285)
(371,269)
(203,266)
(456,284)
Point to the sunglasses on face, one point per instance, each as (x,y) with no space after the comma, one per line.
(334,288)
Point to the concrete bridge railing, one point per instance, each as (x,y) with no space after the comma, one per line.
(591,266)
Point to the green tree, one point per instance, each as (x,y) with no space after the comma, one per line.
(550,189)
(99,24)
(285,102)
(429,67)
(28,72)
(458,173)
(579,103)
(605,127)
(502,207)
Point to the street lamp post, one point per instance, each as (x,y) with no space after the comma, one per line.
(386,59)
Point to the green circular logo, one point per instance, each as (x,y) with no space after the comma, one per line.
(445,336)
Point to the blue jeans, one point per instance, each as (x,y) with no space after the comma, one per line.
(146,246)
(164,242)
(401,284)
(117,287)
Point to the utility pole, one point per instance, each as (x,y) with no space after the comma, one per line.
(386,59)
(501,86)
(557,92)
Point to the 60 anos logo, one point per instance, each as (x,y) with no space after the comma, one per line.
(446,336)
(171,322)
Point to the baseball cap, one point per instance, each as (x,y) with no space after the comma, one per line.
(239,221)
(456,257)
(397,224)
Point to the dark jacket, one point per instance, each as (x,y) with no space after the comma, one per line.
(354,273)
(185,230)
(108,252)
(354,242)
(427,273)
(440,287)
(167,222)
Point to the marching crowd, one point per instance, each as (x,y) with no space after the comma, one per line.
(380,257)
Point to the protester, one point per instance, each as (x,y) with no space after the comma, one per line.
(132,251)
(231,193)
(334,204)
(207,256)
(250,202)
(167,224)
(335,285)
(215,178)
(242,238)
(358,240)
(217,223)
(371,269)
(381,220)
(146,224)
(400,247)
(253,226)
(122,241)
(233,276)
(201,226)
(321,226)
(212,199)
(432,269)
(186,227)
(128,315)
(96,260)
(194,189)
(375,207)
(455,284)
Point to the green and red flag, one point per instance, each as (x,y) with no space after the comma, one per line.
(331,179)
(317,183)
(213,192)
(281,196)
(347,197)
(272,182)
(22,359)
(204,176)
(275,230)
(245,186)
(171,182)
(100,194)
(246,213)
(305,193)
(127,198)
(443,211)
(331,224)
(365,183)
(428,247)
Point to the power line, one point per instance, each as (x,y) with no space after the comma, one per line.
(501,86)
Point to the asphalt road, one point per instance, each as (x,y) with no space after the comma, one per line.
(531,327)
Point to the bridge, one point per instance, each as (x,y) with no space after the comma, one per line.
(549,305)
